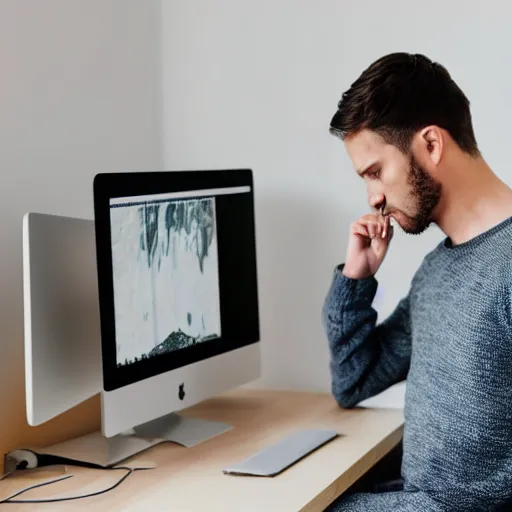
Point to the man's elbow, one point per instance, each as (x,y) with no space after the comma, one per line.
(345,399)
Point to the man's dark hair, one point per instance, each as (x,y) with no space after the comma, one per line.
(400,94)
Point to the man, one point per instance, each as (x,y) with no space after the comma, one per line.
(408,131)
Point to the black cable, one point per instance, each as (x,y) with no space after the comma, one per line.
(6,500)
(53,500)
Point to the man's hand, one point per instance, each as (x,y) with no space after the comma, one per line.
(367,246)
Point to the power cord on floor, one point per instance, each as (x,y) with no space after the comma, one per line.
(53,500)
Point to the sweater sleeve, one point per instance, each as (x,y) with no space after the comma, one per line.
(447,500)
(365,358)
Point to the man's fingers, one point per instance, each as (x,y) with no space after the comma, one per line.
(385,228)
(360,229)
(373,226)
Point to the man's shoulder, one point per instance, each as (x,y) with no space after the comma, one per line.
(429,262)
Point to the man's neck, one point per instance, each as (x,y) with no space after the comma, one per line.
(474,200)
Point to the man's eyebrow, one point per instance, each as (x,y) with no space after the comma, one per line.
(362,172)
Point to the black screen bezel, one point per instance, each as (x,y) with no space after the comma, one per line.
(127,184)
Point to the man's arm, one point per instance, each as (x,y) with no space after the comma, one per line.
(365,358)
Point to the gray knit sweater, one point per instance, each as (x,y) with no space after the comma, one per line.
(451,337)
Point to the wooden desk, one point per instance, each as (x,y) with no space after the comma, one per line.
(190,479)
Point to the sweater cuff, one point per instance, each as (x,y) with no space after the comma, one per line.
(347,290)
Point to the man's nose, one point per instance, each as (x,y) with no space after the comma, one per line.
(377,201)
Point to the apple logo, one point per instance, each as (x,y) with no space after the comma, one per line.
(181,392)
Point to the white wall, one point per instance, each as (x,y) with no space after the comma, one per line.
(256,83)
(80,94)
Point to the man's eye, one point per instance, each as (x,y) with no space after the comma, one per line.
(373,174)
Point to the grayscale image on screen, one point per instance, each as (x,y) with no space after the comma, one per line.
(166,278)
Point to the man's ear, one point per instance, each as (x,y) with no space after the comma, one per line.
(430,144)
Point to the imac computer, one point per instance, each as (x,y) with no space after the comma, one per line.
(153,304)
(176,257)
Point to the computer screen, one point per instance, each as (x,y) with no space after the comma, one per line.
(176,269)
(166,273)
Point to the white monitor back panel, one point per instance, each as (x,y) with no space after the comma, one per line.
(61,308)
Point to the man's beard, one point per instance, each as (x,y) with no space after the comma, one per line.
(426,193)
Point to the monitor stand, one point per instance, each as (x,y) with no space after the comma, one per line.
(98,450)
(180,429)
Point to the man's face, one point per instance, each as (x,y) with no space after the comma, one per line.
(409,194)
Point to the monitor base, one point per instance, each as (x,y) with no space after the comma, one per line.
(98,450)
(181,429)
